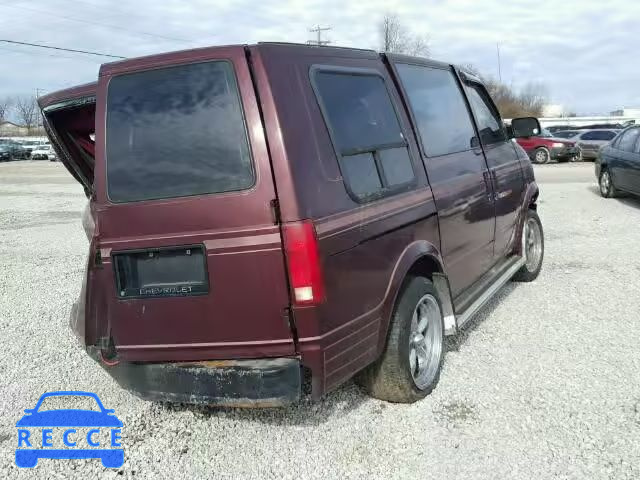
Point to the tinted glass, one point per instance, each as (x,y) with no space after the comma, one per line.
(362,174)
(565,134)
(439,108)
(359,111)
(372,151)
(174,132)
(598,135)
(628,140)
(396,165)
(489,124)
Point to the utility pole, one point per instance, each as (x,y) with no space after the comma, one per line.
(499,66)
(318,30)
(39,120)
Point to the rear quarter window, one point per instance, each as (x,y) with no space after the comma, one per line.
(175,132)
(372,150)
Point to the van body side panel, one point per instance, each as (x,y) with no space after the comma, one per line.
(360,243)
(243,313)
(460,183)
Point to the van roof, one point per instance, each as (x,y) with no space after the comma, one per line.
(120,66)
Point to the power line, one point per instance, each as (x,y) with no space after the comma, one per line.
(61,48)
(35,54)
(91,22)
(318,30)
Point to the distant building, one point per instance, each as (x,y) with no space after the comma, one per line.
(10,129)
(626,112)
(553,110)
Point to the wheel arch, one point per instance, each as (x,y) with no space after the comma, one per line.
(420,258)
(529,202)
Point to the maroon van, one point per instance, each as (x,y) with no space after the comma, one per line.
(267,221)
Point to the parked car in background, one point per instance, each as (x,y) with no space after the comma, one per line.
(30,145)
(544,147)
(5,153)
(566,133)
(617,166)
(338,225)
(557,128)
(43,152)
(18,152)
(590,141)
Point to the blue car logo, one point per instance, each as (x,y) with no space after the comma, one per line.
(96,424)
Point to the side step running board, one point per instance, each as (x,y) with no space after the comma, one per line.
(454,322)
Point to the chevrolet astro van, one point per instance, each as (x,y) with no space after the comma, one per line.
(269,221)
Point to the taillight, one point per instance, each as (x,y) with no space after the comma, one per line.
(303,263)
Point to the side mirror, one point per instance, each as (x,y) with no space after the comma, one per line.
(29,410)
(525,127)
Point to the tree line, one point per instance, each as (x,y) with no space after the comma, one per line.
(394,37)
(23,108)
(529,100)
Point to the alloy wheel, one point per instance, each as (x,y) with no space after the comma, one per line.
(541,156)
(532,244)
(605,183)
(425,341)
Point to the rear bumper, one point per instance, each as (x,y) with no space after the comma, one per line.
(270,382)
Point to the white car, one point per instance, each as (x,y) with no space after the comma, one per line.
(44,152)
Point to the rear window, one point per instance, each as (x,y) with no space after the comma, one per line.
(175,132)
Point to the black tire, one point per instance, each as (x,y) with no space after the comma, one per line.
(541,155)
(530,270)
(390,377)
(577,157)
(607,188)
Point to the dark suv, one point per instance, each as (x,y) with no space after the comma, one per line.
(268,221)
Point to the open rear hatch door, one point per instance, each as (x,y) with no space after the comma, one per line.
(69,120)
(187,258)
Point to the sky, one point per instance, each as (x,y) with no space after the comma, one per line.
(583,51)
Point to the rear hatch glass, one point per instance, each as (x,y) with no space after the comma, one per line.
(176,132)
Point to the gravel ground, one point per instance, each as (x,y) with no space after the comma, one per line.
(543,384)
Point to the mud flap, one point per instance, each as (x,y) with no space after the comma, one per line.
(441,283)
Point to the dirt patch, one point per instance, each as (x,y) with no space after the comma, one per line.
(457,413)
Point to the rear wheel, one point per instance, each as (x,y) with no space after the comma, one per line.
(532,248)
(541,155)
(607,190)
(409,368)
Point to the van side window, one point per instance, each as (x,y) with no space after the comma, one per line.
(373,153)
(439,109)
(489,123)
